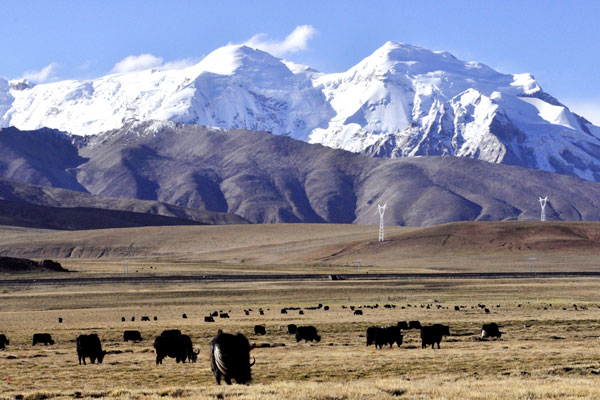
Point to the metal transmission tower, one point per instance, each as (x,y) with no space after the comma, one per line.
(381,209)
(543,202)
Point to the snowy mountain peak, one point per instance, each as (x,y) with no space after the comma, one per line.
(229,59)
(401,100)
(409,59)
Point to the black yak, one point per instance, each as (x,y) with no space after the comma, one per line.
(432,334)
(291,329)
(490,330)
(384,335)
(90,346)
(414,325)
(230,358)
(45,338)
(3,341)
(134,336)
(403,325)
(171,343)
(307,333)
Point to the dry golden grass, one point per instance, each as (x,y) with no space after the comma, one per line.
(549,349)
(545,353)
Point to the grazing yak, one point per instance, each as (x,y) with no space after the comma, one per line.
(432,334)
(291,329)
(224,315)
(134,336)
(403,325)
(90,346)
(414,325)
(371,334)
(490,330)
(209,319)
(384,335)
(171,343)
(45,338)
(307,333)
(358,312)
(3,341)
(230,358)
(260,330)
(145,318)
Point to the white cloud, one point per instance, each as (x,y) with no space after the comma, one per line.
(180,64)
(294,42)
(587,108)
(46,74)
(147,61)
(87,64)
(137,63)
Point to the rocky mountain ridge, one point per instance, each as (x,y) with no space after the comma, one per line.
(267,178)
(400,101)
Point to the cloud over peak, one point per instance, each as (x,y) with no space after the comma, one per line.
(46,74)
(293,43)
(137,63)
(147,61)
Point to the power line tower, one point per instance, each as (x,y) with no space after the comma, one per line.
(543,202)
(381,210)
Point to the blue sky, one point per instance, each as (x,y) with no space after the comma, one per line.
(557,41)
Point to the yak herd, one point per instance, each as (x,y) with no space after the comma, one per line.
(230,354)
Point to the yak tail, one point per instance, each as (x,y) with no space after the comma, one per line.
(219,360)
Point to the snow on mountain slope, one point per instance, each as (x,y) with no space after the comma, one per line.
(233,87)
(408,101)
(402,100)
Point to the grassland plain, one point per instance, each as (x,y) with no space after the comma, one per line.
(455,247)
(549,348)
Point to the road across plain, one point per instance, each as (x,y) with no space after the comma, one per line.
(291,277)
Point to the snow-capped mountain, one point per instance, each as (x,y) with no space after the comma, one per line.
(233,87)
(400,101)
(407,101)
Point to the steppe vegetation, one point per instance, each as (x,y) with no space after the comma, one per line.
(549,348)
(551,327)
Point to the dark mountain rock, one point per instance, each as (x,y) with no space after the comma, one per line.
(22,265)
(43,207)
(269,178)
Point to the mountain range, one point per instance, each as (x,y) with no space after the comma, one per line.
(266,178)
(400,101)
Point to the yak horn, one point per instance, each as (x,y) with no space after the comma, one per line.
(253,361)
(196,352)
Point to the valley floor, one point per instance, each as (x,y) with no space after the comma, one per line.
(548,350)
